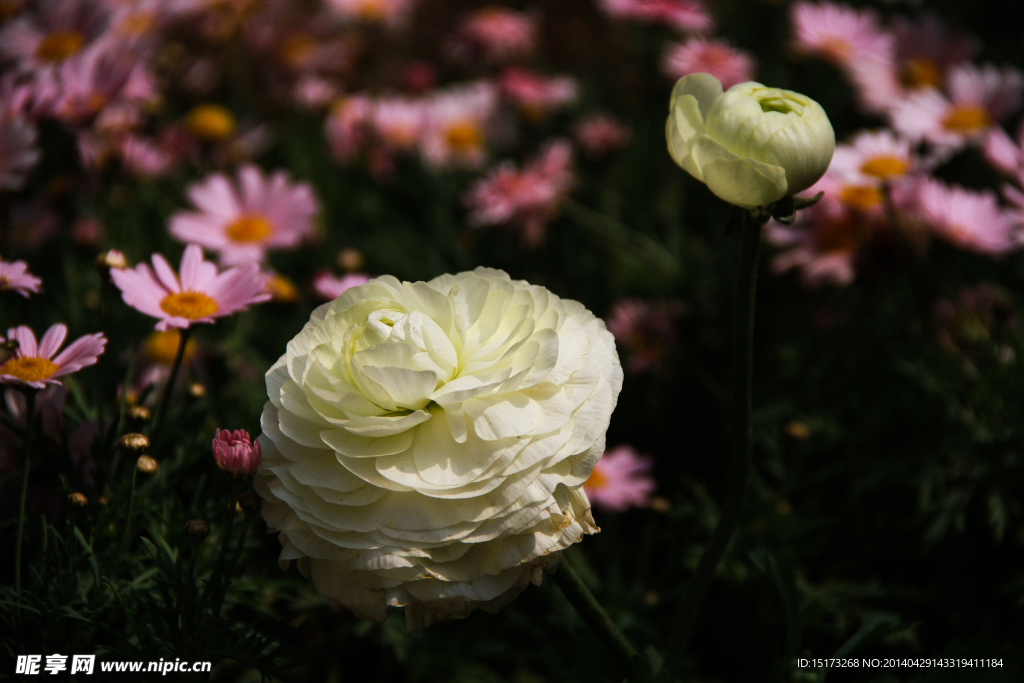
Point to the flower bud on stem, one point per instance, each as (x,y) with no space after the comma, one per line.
(740,467)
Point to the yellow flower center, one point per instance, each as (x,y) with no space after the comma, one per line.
(596,480)
(920,73)
(296,49)
(967,118)
(373,10)
(884,166)
(161,347)
(29,368)
(248,228)
(210,122)
(190,305)
(464,136)
(836,49)
(139,24)
(843,235)
(862,197)
(4,282)
(282,290)
(59,45)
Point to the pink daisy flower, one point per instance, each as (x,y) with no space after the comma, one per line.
(199,295)
(839,33)
(824,243)
(53,31)
(926,48)
(1004,153)
(15,277)
(390,12)
(346,125)
(534,94)
(398,121)
(690,16)
(329,287)
(644,328)
(527,199)
(455,124)
(967,219)
(708,55)
(494,34)
(241,221)
(34,364)
(978,97)
(874,157)
(600,134)
(620,480)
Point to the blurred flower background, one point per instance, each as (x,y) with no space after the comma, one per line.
(224,166)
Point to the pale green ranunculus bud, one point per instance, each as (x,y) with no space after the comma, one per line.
(750,145)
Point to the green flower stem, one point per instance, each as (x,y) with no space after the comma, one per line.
(131,505)
(165,399)
(30,433)
(741,465)
(594,615)
(217,580)
(218,599)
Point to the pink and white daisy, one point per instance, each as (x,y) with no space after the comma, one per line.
(329,287)
(455,126)
(978,97)
(346,127)
(199,295)
(645,329)
(967,219)
(689,16)
(927,47)
(494,34)
(600,134)
(709,55)
(34,365)
(534,94)
(398,121)
(527,199)
(15,277)
(874,157)
(839,33)
(389,12)
(244,219)
(824,243)
(620,480)
(53,31)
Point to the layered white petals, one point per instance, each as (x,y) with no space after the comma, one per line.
(751,145)
(425,443)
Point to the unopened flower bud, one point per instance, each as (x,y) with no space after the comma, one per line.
(78,499)
(250,501)
(139,415)
(196,390)
(236,454)
(111,260)
(147,465)
(197,529)
(135,444)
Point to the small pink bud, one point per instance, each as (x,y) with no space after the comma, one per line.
(236,454)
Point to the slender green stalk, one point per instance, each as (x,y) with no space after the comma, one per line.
(30,432)
(594,615)
(131,505)
(165,399)
(741,465)
(213,587)
(612,230)
(218,599)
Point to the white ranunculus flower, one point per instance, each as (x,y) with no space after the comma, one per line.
(751,145)
(425,443)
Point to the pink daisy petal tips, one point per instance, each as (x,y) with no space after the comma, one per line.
(15,277)
(199,295)
(620,480)
(33,363)
(236,454)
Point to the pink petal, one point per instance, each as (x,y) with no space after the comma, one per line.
(84,351)
(190,264)
(52,340)
(165,273)
(26,340)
